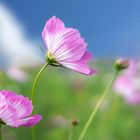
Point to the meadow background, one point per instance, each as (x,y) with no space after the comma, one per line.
(62,95)
(111,29)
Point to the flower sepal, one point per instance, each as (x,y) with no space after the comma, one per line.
(2,123)
(51,60)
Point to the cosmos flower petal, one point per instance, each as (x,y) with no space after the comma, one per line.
(9,116)
(53,26)
(69,45)
(30,121)
(2,101)
(16,110)
(78,67)
(2,109)
(86,57)
(23,105)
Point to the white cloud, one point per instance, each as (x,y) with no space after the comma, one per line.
(16,50)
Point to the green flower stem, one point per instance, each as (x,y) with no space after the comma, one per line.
(33,93)
(72,133)
(0,132)
(33,133)
(97,107)
(35,82)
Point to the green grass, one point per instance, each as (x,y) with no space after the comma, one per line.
(62,94)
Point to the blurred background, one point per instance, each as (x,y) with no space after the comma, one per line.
(111,29)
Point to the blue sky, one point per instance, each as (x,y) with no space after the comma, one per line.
(110,27)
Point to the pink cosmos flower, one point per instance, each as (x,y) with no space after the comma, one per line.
(127,84)
(15,110)
(66,47)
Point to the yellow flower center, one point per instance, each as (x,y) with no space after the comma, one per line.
(50,56)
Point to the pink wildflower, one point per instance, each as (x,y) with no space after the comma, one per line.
(127,84)
(66,47)
(15,110)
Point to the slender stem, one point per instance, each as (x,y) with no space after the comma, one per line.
(33,93)
(35,82)
(72,133)
(33,133)
(97,107)
(0,132)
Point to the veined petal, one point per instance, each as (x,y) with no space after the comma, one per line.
(20,103)
(85,58)
(67,36)
(10,116)
(63,38)
(30,121)
(78,67)
(68,44)
(15,110)
(53,25)
(2,100)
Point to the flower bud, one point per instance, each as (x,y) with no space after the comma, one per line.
(75,121)
(121,64)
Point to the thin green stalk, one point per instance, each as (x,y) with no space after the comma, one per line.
(35,82)
(97,107)
(33,133)
(33,93)
(72,133)
(0,132)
